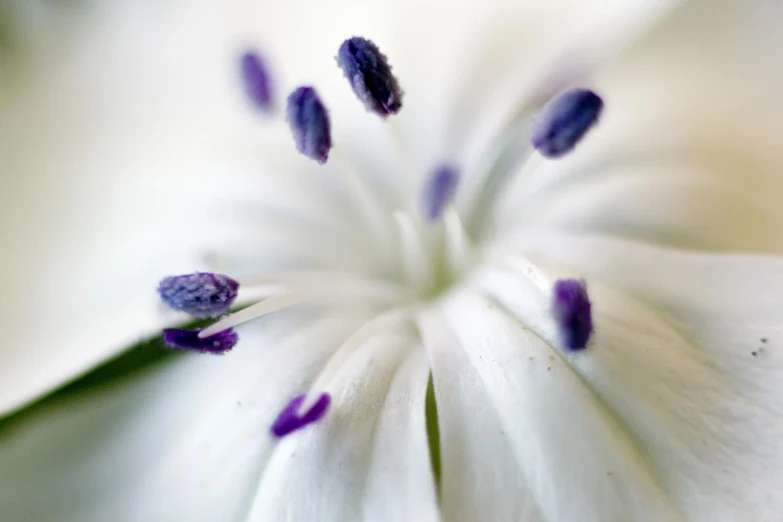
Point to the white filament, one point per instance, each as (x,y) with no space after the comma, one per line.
(457,241)
(267,306)
(412,251)
(366,198)
(508,152)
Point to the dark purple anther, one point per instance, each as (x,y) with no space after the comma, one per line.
(201,294)
(370,76)
(564,121)
(255,76)
(571,309)
(439,191)
(217,344)
(289,420)
(309,124)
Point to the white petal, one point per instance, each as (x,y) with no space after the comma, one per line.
(687,352)
(368,459)
(183,441)
(460,89)
(122,154)
(674,202)
(522,437)
(126,128)
(687,152)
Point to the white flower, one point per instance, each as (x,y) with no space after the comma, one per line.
(667,209)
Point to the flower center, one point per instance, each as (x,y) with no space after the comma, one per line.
(425,248)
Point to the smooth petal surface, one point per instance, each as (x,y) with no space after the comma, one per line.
(458,99)
(522,438)
(687,153)
(130,144)
(667,416)
(184,441)
(687,356)
(368,459)
(123,152)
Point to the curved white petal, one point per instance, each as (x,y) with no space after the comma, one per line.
(687,153)
(667,200)
(368,459)
(522,437)
(534,439)
(128,137)
(123,153)
(469,73)
(687,353)
(186,440)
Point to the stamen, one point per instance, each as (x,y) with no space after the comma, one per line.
(457,241)
(572,311)
(256,78)
(562,124)
(370,76)
(312,292)
(217,344)
(366,198)
(290,419)
(267,306)
(412,250)
(309,122)
(201,294)
(439,192)
(509,152)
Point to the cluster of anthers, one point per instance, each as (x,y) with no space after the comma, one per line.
(556,130)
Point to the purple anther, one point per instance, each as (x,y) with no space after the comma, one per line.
(309,122)
(217,344)
(572,311)
(370,76)
(289,420)
(564,121)
(439,191)
(201,294)
(257,81)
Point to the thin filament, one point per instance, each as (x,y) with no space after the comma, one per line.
(457,241)
(512,149)
(366,198)
(413,251)
(267,306)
